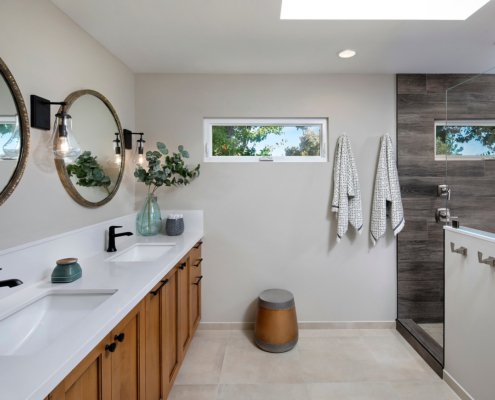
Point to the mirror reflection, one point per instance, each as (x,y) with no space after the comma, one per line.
(14,133)
(10,139)
(93,173)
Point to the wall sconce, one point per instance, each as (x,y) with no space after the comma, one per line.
(117,149)
(139,157)
(64,143)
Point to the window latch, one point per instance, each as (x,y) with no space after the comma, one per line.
(265,158)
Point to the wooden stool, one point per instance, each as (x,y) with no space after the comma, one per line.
(276,323)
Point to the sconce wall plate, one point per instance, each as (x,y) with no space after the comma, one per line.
(40,113)
(127,139)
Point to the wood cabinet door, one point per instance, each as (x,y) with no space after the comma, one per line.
(154,335)
(128,359)
(195,288)
(170,339)
(90,380)
(184,308)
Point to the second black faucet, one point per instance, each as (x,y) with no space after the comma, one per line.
(112,235)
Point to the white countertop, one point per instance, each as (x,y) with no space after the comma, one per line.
(34,376)
(476,233)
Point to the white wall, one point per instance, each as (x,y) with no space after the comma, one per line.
(268,225)
(51,56)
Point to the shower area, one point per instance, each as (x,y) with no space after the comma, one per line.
(446,164)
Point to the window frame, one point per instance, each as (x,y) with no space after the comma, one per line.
(461,122)
(208,124)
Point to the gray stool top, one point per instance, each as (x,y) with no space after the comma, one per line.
(276,299)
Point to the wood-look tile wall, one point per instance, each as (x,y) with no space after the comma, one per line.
(421,101)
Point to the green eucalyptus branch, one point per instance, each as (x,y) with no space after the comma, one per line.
(172,172)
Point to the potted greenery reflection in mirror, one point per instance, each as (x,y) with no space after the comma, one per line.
(88,172)
(169,171)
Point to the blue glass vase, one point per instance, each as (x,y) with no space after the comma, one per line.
(149,219)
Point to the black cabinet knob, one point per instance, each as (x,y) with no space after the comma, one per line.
(120,337)
(111,347)
(182,266)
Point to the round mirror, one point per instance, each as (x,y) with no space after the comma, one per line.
(93,177)
(14,133)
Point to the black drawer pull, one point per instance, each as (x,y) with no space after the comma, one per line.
(198,262)
(120,337)
(111,347)
(199,280)
(155,292)
(198,245)
(182,266)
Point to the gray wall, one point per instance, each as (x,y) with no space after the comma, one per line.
(51,56)
(268,225)
(421,101)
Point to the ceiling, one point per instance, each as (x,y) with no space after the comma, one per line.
(247,36)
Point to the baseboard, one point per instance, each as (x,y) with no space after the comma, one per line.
(219,326)
(347,325)
(456,387)
(303,325)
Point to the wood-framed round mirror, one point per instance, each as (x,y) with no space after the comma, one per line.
(94,177)
(14,133)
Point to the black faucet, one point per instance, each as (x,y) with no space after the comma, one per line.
(112,235)
(10,283)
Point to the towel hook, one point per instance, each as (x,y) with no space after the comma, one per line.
(490,260)
(461,250)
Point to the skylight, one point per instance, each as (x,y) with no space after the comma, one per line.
(380,9)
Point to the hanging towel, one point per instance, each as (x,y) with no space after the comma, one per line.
(346,200)
(386,197)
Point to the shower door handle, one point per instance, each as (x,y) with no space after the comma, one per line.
(461,250)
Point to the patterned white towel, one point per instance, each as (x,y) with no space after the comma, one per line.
(346,200)
(386,196)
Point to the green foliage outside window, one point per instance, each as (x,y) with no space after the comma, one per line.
(247,141)
(242,140)
(309,145)
(449,139)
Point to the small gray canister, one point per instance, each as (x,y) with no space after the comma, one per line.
(174,225)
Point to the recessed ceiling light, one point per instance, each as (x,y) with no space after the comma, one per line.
(347,53)
(380,9)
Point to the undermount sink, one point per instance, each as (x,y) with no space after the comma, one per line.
(39,322)
(142,252)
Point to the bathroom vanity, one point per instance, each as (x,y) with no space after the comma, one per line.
(130,318)
(469,322)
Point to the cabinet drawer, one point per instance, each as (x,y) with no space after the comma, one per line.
(195,254)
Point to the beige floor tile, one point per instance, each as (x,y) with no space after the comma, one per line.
(365,364)
(351,391)
(246,363)
(204,359)
(225,334)
(378,332)
(193,392)
(354,359)
(304,333)
(263,392)
(424,391)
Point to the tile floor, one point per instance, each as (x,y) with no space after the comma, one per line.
(343,364)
